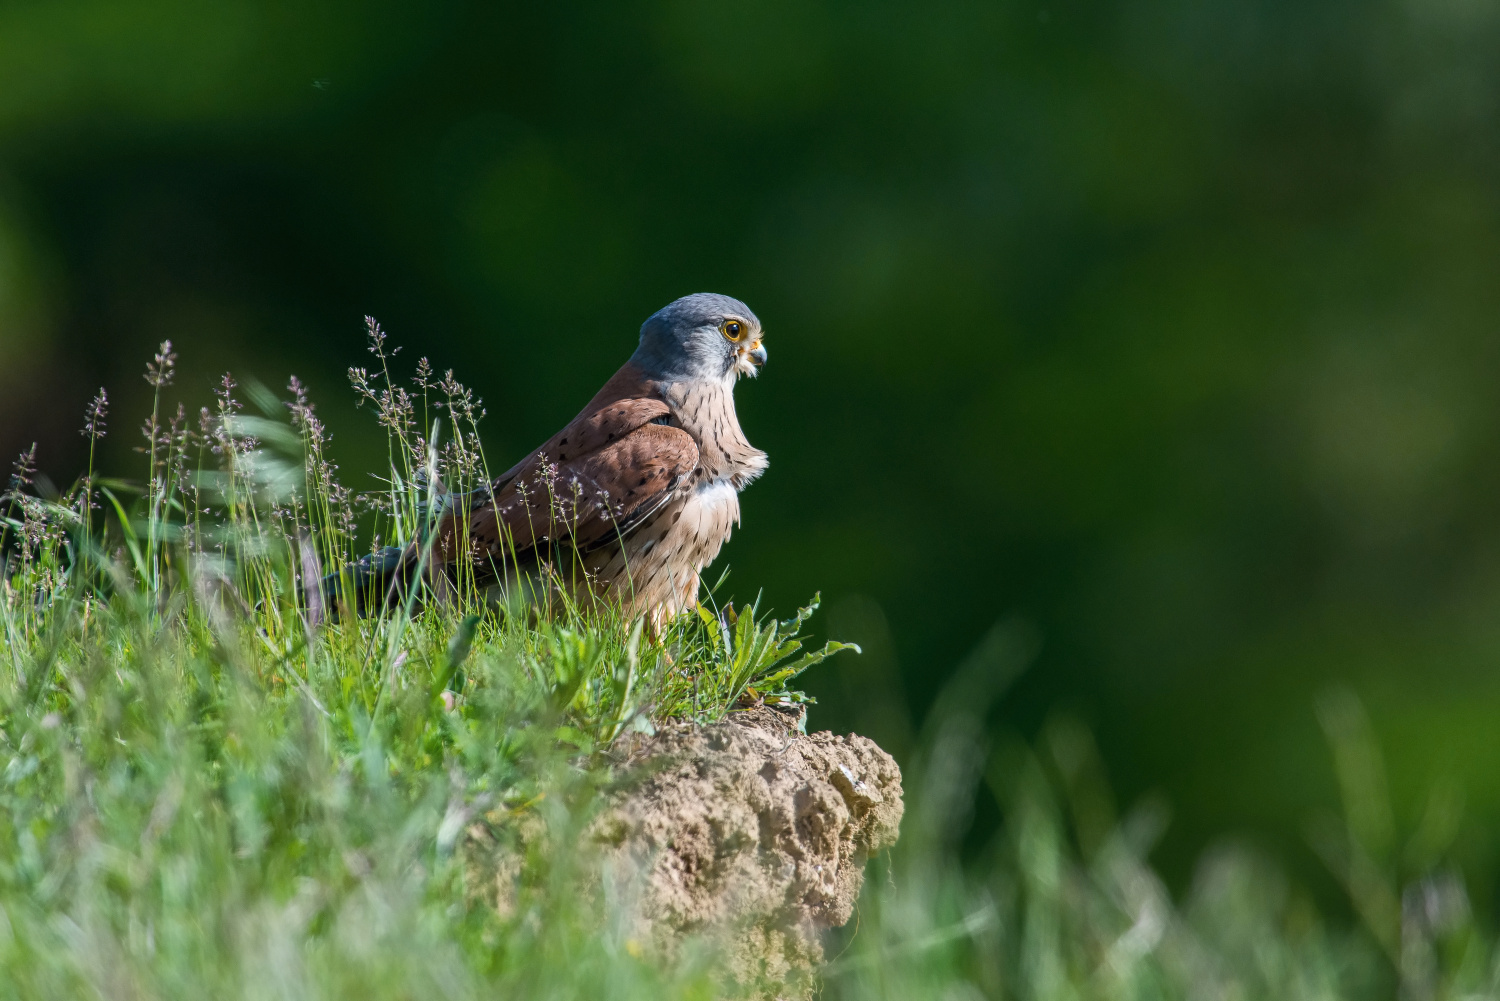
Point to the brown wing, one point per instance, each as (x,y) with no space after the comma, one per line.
(588,432)
(595,481)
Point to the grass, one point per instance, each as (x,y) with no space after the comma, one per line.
(210,791)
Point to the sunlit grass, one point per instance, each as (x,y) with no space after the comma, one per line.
(214,788)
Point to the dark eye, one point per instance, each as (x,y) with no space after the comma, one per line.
(733,329)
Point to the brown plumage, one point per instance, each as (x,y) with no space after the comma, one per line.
(638,493)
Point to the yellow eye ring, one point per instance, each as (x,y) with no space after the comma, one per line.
(733,330)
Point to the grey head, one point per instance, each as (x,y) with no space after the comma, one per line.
(701,336)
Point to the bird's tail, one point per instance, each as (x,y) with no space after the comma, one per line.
(380,580)
(386,577)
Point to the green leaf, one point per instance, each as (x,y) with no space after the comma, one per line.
(132,541)
(458,651)
(463,640)
(796,667)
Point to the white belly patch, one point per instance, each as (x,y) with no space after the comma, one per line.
(719,501)
(708,516)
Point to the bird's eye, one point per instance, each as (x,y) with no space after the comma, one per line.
(733,329)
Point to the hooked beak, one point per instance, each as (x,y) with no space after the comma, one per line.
(749,358)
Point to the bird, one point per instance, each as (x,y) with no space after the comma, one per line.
(633,498)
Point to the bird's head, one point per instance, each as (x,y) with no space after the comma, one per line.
(702,336)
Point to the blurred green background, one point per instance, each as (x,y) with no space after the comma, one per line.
(1169,327)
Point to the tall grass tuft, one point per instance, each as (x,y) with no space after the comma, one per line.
(216,786)
(213,786)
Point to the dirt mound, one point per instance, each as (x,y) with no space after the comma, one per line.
(752,835)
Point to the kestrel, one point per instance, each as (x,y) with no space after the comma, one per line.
(636,495)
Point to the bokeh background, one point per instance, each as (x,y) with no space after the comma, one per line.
(1167,327)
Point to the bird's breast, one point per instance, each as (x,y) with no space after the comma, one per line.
(656,569)
(706,411)
(690,530)
(716,503)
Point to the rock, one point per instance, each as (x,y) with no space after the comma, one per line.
(751,835)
